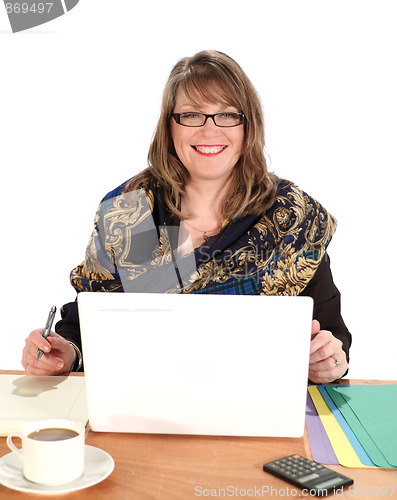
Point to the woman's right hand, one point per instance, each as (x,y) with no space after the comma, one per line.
(58,355)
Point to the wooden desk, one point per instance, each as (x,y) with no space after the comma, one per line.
(166,467)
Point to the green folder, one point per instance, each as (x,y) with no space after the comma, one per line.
(371,412)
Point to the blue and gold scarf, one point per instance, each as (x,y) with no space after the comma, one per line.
(133,248)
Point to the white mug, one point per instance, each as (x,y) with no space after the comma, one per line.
(52,451)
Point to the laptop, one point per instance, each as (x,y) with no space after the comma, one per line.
(226,365)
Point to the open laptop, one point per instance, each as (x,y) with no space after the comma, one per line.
(196,364)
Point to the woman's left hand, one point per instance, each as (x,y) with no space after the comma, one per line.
(327,359)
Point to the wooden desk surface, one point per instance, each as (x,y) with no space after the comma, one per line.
(169,467)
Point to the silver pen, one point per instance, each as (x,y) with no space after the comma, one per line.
(47,329)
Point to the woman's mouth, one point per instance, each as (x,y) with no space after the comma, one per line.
(209,150)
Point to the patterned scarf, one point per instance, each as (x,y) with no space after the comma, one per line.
(133,248)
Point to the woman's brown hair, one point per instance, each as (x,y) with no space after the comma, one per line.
(214,77)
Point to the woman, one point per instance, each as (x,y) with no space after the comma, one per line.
(207,217)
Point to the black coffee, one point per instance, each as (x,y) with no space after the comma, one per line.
(53,434)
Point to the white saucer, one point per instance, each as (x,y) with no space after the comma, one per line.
(98,466)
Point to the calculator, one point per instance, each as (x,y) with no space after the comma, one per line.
(307,475)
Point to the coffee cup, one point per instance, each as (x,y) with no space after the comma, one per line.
(52,451)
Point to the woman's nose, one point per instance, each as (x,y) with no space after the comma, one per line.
(209,126)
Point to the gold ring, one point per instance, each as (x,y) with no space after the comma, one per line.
(337,361)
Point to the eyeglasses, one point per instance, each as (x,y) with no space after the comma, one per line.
(200,119)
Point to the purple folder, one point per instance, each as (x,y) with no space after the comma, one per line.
(321,448)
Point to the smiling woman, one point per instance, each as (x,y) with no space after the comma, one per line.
(196,144)
(206,216)
(211,82)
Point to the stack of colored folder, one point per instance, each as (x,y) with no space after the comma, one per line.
(353,425)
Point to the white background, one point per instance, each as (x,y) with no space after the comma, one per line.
(80,99)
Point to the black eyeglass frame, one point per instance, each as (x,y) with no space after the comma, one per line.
(177,118)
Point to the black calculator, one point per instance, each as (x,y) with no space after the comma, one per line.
(307,475)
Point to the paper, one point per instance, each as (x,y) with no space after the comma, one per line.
(362,455)
(343,449)
(371,412)
(26,398)
(320,446)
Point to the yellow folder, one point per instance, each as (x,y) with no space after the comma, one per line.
(343,449)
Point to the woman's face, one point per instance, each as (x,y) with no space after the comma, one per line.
(208,152)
